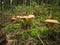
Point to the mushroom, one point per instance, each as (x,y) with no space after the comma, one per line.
(13,19)
(18,17)
(30,17)
(25,17)
(50,23)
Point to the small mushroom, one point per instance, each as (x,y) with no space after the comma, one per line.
(31,16)
(24,17)
(13,19)
(18,17)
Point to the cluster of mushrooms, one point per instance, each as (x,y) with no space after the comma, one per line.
(26,21)
(17,18)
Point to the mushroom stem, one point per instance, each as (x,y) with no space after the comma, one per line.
(51,28)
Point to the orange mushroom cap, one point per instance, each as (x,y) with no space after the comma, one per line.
(31,16)
(24,17)
(52,21)
(13,18)
(18,17)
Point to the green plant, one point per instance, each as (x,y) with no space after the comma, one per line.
(12,28)
(16,26)
(43,31)
(33,32)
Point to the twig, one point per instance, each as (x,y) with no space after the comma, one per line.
(41,40)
